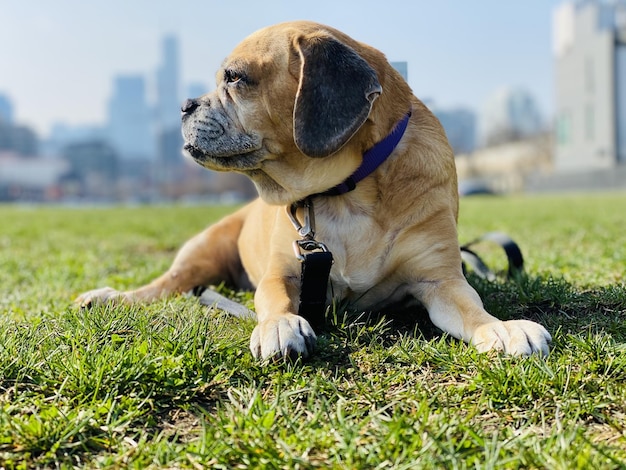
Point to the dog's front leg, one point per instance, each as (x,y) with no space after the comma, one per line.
(280,331)
(455,307)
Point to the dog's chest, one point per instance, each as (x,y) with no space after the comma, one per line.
(360,248)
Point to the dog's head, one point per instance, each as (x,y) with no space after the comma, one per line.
(289,101)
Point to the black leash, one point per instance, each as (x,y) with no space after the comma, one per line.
(316,261)
(511,249)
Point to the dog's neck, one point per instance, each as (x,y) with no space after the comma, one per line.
(372,159)
(315,258)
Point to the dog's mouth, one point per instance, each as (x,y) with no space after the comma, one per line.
(245,161)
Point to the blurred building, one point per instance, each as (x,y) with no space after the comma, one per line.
(32,178)
(510,114)
(459,124)
(170,144)
(93,169)
(19,139)
(129,119)
(403,68)
(62,134)
(589,45)
(460,127)
(6,109)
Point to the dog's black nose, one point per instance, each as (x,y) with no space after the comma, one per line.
(189,106)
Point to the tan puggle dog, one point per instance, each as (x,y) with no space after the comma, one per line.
(296,107)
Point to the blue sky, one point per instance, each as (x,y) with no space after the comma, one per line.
(58,58)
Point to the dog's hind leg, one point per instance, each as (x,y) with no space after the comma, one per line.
(210,257)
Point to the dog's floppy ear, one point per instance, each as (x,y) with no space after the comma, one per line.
(335,95)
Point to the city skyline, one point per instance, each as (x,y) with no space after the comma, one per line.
(456,64)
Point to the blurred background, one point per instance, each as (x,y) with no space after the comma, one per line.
(532,94)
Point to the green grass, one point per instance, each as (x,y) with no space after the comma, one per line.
(173,385)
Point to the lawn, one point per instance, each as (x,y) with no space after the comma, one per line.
(173,385)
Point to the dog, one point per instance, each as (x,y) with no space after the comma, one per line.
(297,107)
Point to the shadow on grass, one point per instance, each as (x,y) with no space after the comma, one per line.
(558,305)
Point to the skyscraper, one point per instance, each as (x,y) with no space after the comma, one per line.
(168,99)
(6,109)
(589,44)
(129,118)
(168,137)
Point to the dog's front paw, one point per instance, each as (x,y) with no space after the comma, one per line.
(287,336)
(516,337)
(104,295)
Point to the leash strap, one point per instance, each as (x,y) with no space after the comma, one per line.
(316,262)
(511,249)
(210,298)
(313,286)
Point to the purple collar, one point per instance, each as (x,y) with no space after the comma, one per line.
(372,159)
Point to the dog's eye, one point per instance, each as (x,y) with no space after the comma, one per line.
(232,76)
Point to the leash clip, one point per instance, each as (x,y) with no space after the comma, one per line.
(305,229)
